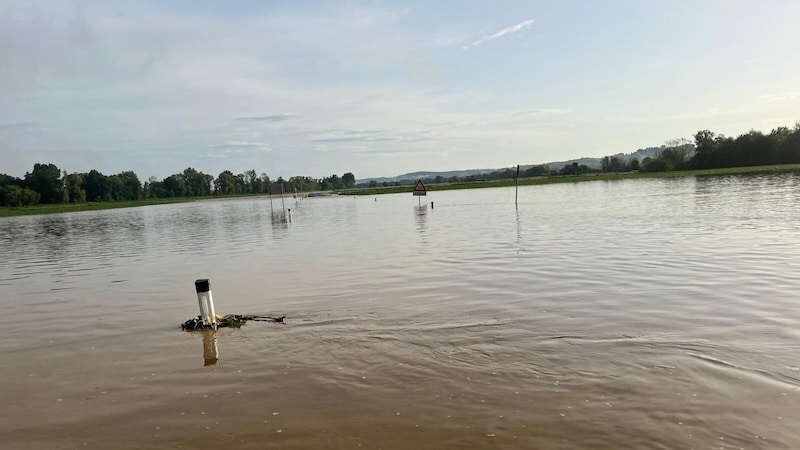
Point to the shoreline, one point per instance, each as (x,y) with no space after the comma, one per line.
(7,211)
(749,170)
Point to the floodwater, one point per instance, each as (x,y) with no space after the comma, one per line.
(638,314)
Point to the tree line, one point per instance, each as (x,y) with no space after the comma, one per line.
(46,183)
(715,151)
(708,151)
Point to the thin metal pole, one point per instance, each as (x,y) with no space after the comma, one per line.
(282,202)
(516,189)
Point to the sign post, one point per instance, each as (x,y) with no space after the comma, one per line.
(275,189)
(419,191)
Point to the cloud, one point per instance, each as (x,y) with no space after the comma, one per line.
(366,136)
(542,112)
(19,127)
(781,97)
(508,30)
(270,118)
(240,144)
(233,148)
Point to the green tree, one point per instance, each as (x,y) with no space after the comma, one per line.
(615,164)
(332,182)
(656,165)
(174,186)
(97,186)
(251,181)
(75,191)
(130,188)
(5,180)
(348,180)
(263,181)
(704,145)
(536,171)
(154,188)
(46,180)
(16,196)
(227,183)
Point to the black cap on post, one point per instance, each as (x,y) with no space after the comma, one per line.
(202,286)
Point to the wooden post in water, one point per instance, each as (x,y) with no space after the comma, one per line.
(516,189)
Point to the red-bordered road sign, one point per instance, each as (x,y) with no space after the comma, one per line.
(419,188)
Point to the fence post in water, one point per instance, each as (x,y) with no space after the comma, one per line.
(431,205)
(206,302)
(290,214)
(516,189)
(282,202)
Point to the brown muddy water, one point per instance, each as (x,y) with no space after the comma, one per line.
(639,314)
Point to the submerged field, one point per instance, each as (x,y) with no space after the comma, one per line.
(626,315)
(783,168)
(86,206)
(93,206)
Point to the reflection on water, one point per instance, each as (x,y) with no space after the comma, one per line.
(609,315)
(210,349)
(421,214)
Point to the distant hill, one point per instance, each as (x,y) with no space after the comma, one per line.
(419,175)
(594,163)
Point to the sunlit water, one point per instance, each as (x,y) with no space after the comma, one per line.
(640,314)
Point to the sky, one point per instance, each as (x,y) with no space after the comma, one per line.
(381,88)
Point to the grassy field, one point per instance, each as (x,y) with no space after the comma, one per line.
(784,168)
(88,206)
(92,206)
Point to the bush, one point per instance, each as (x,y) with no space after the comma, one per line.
(13,195)
(657,165)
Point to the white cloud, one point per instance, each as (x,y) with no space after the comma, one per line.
(780,97)
(268,118)
(505,31)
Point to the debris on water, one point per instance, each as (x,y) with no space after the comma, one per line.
(229,320)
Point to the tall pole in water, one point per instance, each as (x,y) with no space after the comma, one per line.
(282,202)
(516,189)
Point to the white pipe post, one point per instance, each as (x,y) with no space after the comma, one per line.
(206,302)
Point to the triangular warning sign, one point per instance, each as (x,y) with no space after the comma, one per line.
(419,188)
